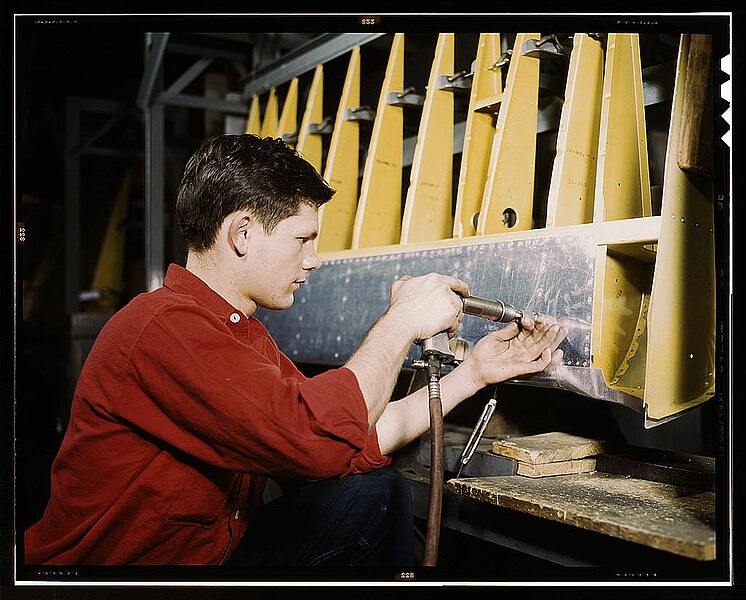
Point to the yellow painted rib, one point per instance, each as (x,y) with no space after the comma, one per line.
(479,132)
(622,178)
(342,167)
(269,124)
(378,216)
(288,123)
(253,122)
(572,188)
(109,274)
(310,144)
(681,321)
(617,310)
(510,183)
(428,207)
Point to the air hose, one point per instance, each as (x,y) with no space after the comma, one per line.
(435,506)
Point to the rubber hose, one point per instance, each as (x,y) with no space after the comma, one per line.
(434,510)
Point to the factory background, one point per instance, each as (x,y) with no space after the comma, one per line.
(101,140)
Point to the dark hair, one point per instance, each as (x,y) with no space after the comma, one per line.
(229,173)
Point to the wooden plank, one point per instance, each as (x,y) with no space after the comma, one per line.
(694,154)
(549,447)
(564,467)
(666,517)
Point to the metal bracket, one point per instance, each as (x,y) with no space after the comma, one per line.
(361,113)
(290,138)
(324,128)
(459,82)
(503,62)
(547,47)
(406,98)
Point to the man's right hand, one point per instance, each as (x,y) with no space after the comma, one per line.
(426,305)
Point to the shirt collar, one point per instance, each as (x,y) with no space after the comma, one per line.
(182,281)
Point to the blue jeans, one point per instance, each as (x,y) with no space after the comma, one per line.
(356,520)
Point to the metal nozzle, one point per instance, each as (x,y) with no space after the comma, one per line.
(494,310)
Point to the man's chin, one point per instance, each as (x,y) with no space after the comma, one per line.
(279,303)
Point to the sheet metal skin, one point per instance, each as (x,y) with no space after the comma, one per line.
(554,276)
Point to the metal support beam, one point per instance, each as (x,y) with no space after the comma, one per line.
(200,102)
(155,50)
(188,76)
(154,159)
(305,58)
(154,184)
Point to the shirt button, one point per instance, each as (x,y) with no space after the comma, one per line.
(235,318)
(235,515)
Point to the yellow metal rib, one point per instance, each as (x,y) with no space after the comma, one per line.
(622,179)
(573,181)
(479,132)
(253,122)
(428,207)
(269,124)
(288,123)
(109,274)
(509,191)
(310,144)
(378,217)
(342,167)
(681,320)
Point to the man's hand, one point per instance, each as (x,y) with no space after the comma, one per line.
(426,305)
(514,351)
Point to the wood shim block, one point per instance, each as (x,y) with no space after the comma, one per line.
(548,447)
(564,467)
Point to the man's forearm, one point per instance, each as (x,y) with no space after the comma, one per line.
(408,418)
(377,362)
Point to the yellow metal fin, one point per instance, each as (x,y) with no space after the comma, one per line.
(509,192)
(109,274)
(572,188)
(269,124)
(287,126)
(428,207)
(479,132)
(378,216)
(342,166)
(310,144)
(253,122)
(681,319)
(622,178)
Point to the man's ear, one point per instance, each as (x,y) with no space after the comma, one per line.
(240,229)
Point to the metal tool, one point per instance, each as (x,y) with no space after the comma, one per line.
(476,435)
(494,310)
(436,351)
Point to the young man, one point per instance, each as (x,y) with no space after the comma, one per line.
(185,404)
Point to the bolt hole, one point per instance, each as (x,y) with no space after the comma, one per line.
(475,220)
(510,217)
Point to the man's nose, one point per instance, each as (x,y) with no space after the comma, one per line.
(311,261)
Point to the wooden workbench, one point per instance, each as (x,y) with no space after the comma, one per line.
(675,519)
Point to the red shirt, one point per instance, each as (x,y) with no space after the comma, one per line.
(182,409)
